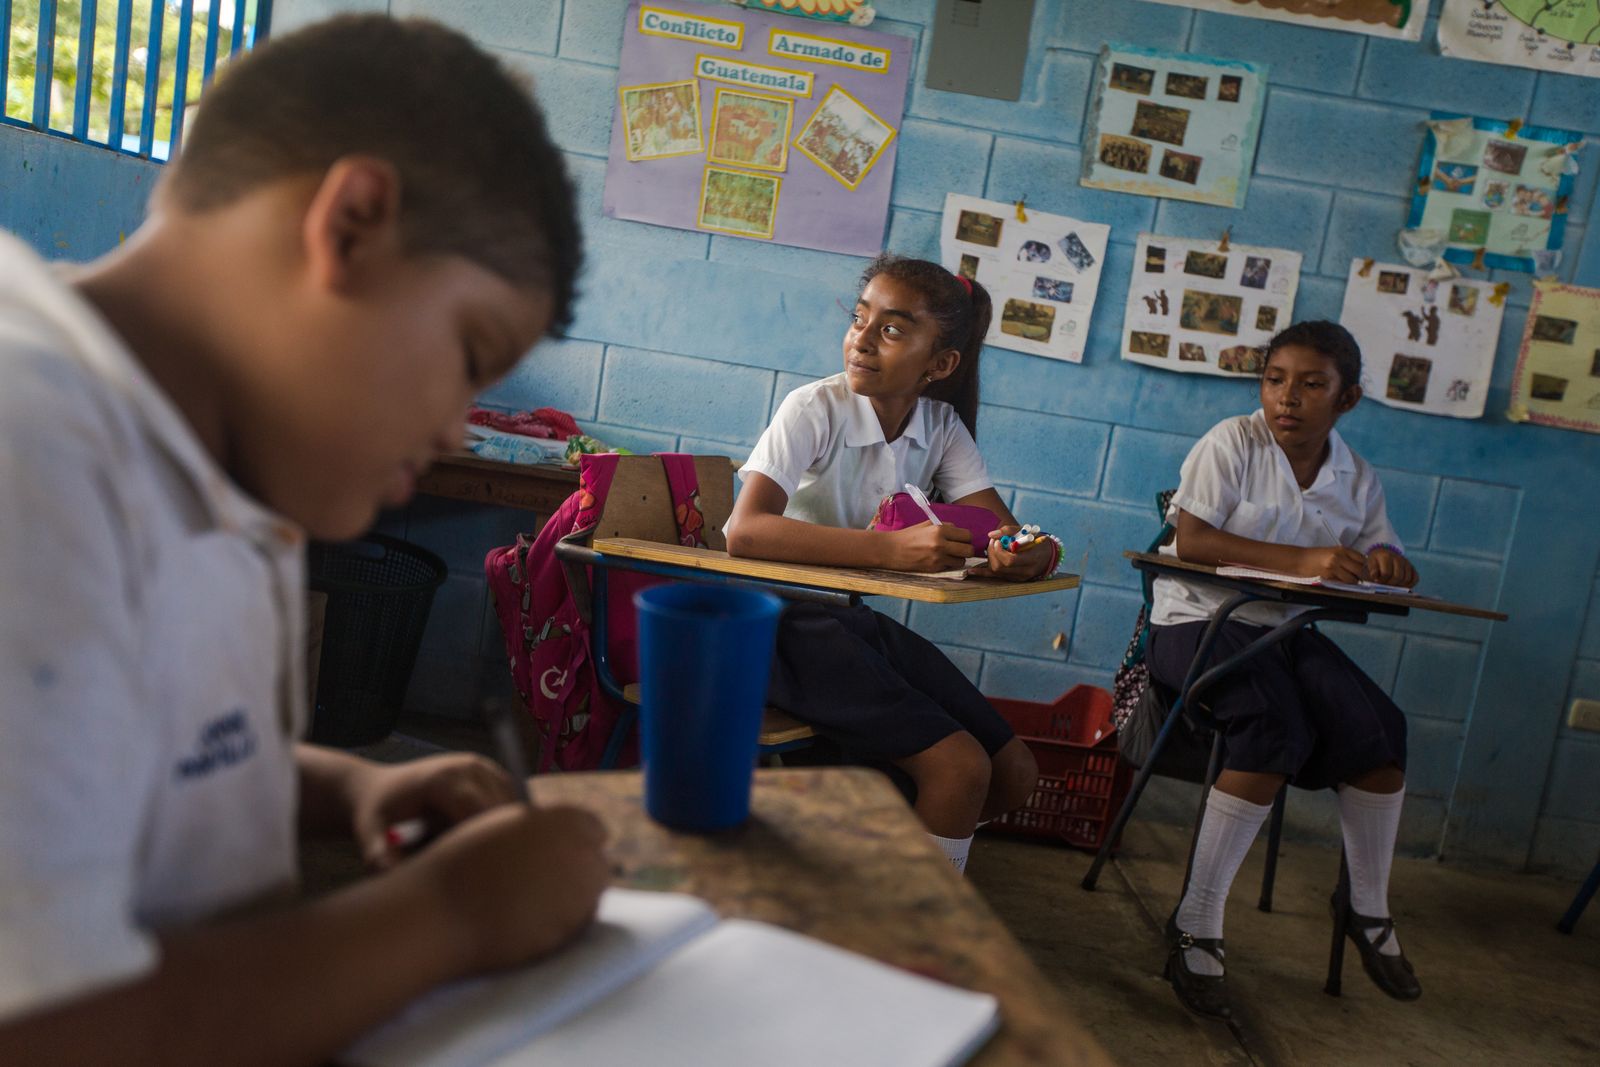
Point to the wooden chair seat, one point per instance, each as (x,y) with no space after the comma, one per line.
(777,727)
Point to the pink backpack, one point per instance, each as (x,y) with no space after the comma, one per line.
(546,638)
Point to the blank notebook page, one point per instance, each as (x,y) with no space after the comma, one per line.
(750,994)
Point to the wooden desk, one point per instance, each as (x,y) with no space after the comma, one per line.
(1381,603)
(464,476)
(836,854)
(842,579)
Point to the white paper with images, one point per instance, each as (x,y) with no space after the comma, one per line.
(1561,36)
(1426,345)
(1042,274)
(1196,309)
(1401,19)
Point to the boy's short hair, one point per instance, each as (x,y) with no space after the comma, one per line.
(479,175)
(1328,338)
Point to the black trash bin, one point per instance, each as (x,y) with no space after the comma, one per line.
(379,592)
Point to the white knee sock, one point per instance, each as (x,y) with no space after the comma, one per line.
(1230,824)
(1370,822)
(955,850)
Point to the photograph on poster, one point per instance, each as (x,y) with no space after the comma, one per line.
(1146,100)
(1240,297)
(750,130)
(844,137)
(661,121)
(734,202)
(1493,190)
(1400,19)
(1149,344)
(1430,344)
(1042,274)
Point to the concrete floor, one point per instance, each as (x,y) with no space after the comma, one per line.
(1500,984)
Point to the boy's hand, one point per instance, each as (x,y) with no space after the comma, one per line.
(928,548)
(442,790)
(515,883)
(1021,566)
(1333,564)
(1390,568)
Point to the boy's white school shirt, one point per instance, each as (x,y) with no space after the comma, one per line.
(150,660)
(1237,479)
(826,449)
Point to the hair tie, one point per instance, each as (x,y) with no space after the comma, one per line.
(966,283)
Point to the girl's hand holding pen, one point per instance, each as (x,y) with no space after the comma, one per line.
(928,548)
(437,793)
(1022,564)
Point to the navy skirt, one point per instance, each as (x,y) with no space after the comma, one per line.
(880,690)
(1301,708)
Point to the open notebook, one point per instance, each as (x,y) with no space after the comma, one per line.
(661,980)
(1325,583)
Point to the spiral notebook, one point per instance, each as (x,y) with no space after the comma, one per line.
(660,980)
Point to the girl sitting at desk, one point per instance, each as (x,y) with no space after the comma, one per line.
(903,411)
(1280,490)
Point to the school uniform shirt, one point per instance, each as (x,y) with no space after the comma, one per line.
(150,660)
(1237,479)
(826,449)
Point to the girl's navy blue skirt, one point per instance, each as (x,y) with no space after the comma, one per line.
(880,690)
(1301,708)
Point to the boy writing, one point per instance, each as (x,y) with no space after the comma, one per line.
(333,268)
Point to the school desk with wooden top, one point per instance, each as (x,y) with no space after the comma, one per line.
(1323,605)
(834,853)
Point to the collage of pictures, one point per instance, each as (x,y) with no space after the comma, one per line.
(1198,308)
(1557,379)
(733,122)
(1173,125)
(1428,344)
(1380,18)
(1043,273)
(1486,186)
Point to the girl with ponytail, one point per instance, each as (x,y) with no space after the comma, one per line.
(904,410)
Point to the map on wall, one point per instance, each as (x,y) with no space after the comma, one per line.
(1557,380)
(1381,18)
(1173,125)
(1042,274)
(748,124)
(1426,345)
(1554,35)
(1488,187)
(1197,308)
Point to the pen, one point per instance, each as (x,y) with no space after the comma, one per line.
(1337,540)
(408,836)
(922,502)
(509,746)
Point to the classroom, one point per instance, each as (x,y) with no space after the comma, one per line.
(1148,191)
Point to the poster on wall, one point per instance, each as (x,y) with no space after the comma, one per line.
(1484,184)
(1426,345)
(1563,37)
(1197,308)
(1173,125)
(1557,380)
(1042,274)
(1380,18)
(756,125)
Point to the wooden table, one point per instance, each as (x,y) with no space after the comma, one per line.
(841,579)
(534,487)
(835,853)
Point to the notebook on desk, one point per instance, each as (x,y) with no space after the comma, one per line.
(661,980)
(1322,583)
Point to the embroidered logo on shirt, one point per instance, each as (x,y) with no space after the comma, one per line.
(224,741)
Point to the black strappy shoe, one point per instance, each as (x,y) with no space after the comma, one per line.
(1203,994)
(1392,974)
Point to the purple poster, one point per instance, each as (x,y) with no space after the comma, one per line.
(759,126)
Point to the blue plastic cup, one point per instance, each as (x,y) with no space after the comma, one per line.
(705,653)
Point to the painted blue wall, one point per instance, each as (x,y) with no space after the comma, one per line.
(689,340)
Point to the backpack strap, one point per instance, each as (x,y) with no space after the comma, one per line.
(684,485)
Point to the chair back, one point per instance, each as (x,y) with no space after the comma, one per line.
(640,501)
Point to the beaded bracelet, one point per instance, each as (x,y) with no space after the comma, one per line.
(1061,552)
(1384,544)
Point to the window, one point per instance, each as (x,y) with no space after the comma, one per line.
(123,73)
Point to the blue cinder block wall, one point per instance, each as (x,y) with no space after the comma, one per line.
(688,340)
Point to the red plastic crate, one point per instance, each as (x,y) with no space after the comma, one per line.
(1082,783)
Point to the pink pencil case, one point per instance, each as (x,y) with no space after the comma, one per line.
(899,511)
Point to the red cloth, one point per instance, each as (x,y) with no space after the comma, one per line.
(543,422)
